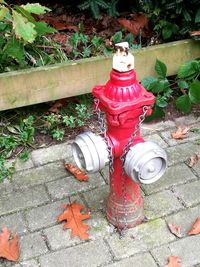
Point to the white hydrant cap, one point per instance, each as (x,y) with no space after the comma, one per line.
(90,152)
(123,60)
(145,162)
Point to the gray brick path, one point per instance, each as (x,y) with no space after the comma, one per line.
(32,201)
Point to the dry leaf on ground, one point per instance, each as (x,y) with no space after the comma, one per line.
(9,247)
(173,261)
(78,174)
(136,24)
(72,214)
(57,105)
(193,160)
(181,132)
(174,229)
(195,230)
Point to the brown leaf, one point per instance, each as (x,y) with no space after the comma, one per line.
(193,160)
(195,33)
(58,104)
(74,219)
(174,229)
(173,261)
(78,174)
(9,248)
(136,24)
(195,230)
(181,132)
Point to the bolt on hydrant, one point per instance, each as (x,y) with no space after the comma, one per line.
(121,106)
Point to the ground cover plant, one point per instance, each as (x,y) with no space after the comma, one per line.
(31,35)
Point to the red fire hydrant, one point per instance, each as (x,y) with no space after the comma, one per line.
(125,104)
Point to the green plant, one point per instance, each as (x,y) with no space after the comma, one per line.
(22,40)
(94,6)
(187,80)
(58,134)
(173,18)
(160,86)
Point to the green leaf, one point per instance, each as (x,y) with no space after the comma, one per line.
(194,92)
(24,13)
(160,102)
(197,17)
(156,113)
(188,68)
(24,156)
(42,28)
(3,11)
(129,38)
(183,103)
(117,37)
(146,82)
(2,2)
(166,33)
(35,8)
(14,49)
(183,84)
(160,68)
(23,29)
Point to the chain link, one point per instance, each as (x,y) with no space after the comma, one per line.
(123,157)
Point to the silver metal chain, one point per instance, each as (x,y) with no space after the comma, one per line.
(123,157)
(103,129)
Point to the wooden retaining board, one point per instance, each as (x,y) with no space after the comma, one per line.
(37,85)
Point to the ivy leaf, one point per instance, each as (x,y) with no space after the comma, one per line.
(146,82)
(14,49)
(3,11)
(194,92)
(188,69)
(183,84)
(23,29)
(160,102)
(160,68)
(117,37)
(24,13)
(35,8)
(42,28)
(197,17)
(183,103)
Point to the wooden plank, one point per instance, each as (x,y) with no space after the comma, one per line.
(31,86)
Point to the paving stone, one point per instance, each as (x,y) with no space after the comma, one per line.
(197,167)
(6,188)
(189,193)
(161,204)
(20,165)
(151,127)
(166,135)
(174,175)
(157,139)
(26,198)
(31,263)
(59,238)
(181,153)
(143,260)
(69,186)
(187,120)
(39,175)
(187,249)
(31,246)
(89,254)
(185,219)
(14,222)
(53,153)
(141,238)
(97,198)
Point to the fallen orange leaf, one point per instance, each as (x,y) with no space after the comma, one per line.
(181,132)
(58,104)
(9,248)
(74,219)
(176,230)
(173,261)
(194,159)
(195,230)
(136,24)
(78,174)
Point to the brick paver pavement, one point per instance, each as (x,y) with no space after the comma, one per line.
(31,202)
